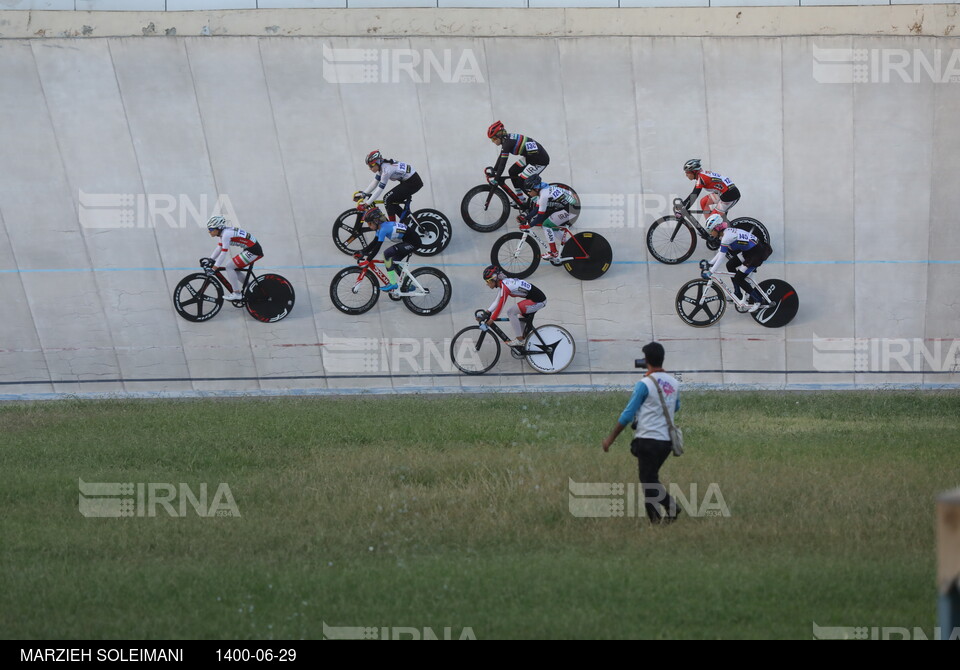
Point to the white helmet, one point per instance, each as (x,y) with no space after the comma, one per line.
(714,222)
(216,223)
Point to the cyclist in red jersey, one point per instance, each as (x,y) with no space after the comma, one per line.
(722,193)
(531,299)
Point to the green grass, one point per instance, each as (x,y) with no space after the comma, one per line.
(424,511)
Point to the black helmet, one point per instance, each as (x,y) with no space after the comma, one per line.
(491,272)
(533,183)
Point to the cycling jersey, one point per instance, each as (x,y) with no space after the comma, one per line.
(714,183)
(394,231)
(520,145)
(734,241)
(397,171)
(235,237)
(518,288)
(550,200)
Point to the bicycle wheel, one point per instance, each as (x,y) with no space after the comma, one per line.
(574,209)
(671,240)
(752,226)
(269,298)
(516,254)
(198,297)
(785,304)
(349,233)
(352,295)
(437,288)
(485,208)
(435,231)
(700,303)
(474,351)
(549,349)
(590,255)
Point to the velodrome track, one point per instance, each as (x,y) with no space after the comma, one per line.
(854,181)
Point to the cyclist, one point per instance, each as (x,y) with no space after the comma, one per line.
(533,157)
(722,193)
(394,231)
(232,237)
(733,243)
(386,169)
(549,206)
(531,300)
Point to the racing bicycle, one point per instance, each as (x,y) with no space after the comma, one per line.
(487,207)
(547,349)
(585,255)
(672,239)
(355,290)
(701,302)
(351,235)
(199,296)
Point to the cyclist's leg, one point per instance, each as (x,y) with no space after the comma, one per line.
(240,261)
(527,308)
(553,222)
(708,203)
(515,171)
(391,254)
(723,206)
(734,265)
(393,200)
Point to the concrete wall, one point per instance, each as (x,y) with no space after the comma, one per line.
(851,178)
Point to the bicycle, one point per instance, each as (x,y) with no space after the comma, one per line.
(476,349)
(355,290)
(351,235)
(701,302)
(585,255)
(199,296)
(487,207)
(672,239)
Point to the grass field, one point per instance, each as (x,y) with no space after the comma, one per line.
(453,512)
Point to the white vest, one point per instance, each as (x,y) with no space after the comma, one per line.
(651,423)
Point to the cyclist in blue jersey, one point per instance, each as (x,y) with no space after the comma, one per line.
(394,231)
(734,244)
(533,157)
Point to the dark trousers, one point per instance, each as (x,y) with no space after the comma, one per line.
(405,189)
(651,455)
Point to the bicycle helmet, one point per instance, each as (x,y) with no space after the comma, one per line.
(216,223)
(714,222)
(492,272)
(373,215)
(533,183)
(495,130)
(692,165)
(374,158)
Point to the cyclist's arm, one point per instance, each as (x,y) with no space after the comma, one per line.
(726,242)
(692,198)
(498,303)
(222,252)
(377,186)
(372,249)
(543,204)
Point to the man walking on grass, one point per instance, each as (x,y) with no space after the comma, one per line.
(651,443)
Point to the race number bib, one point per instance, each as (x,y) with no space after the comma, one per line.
(530,146)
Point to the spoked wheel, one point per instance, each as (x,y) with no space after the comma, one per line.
(435,231)
(352,295)
(700,303)
(785,304)
(517,254)
(350,234)
(485,208)
(549,349)
(269,298)
(752,226)
(671,240)
(590,255)
(474,351)
(198,297)
(437,288)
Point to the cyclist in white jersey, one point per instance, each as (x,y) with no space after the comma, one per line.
(386,170)
(735,242)
(550,207)
(233,237)
(532,299)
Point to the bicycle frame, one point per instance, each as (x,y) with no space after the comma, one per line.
(716,279)
(381,275)
(688,216)
(503,186)
(565,237)
(518,351)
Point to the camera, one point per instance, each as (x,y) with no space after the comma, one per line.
(640,363)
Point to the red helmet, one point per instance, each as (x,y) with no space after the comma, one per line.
(374,158)
(495,129)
